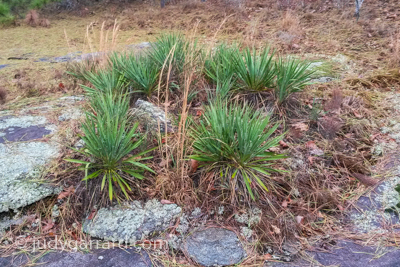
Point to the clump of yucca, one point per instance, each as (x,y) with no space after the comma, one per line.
(233,141)
(140,71)
(105,80)
(291,77)
(109,144)
(255,71)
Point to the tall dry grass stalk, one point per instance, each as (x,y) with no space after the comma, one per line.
(169,61)
(99,44)
(105,43)
(189,72)
(174,183)
(394,59)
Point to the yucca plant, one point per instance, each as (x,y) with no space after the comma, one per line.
(219,65)
(233,141)
(255,71)
(108,104)
(80,69)
(109,143)
(224,87)
(291,76)
(105,80)
(219,68)
(141,73)
(161,49)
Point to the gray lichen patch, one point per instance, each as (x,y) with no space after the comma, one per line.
(151,116)
(131,222)
(250,217)
(371,214)
(22,121)
(394,100)
(215,247)
(72,99)
(20,183)
(393,129)
(384,147)
(70,114)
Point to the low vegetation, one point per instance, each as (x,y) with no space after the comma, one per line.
(233,141)
(252,123)
(13,9)
(110,140)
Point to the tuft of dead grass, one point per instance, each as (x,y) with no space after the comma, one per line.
(290,23)
(32,18)
(329,126)
(44,23)
(394,59)
(335,102)
(3,95)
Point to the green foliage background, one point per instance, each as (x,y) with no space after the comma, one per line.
(11,9)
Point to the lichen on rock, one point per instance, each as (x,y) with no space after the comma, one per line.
(131,222)
(215,247)
(152,117)
(20,183)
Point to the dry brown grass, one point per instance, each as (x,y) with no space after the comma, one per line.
(3,95)
(290,22)
(335,102)
(394,45)
(32,18)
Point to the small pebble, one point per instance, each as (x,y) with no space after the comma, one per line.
(100,257)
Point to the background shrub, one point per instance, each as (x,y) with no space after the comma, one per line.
(9,9)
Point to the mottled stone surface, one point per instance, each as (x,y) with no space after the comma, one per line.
(151,116)
(215,247)
(13,134)
(23,157)
(131,222)
(322,80)
(70,114)
(350,254)
(98,258)
(20,183)
(346,253)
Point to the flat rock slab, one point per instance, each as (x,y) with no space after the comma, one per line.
(369,214)
(346,253)
(23,157)
(132,222)
(350,254)
(215,247)
(13,134)
(23,128)
(19,173)
(98,258)
(79,57)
